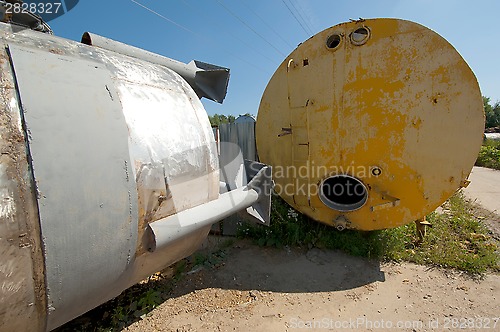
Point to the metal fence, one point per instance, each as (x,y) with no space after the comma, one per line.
(243,135)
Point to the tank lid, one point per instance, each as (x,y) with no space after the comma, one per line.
(12,12)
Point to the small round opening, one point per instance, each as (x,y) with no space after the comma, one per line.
(376,171)
(360,36)
(343,193)
(333,41)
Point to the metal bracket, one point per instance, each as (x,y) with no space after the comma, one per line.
(285,131)
(393,202)
(465,183)
(422,225)
(341,223)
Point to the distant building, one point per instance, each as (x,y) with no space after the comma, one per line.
(245,119)
(492,136)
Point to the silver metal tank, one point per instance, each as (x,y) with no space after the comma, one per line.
(108,173)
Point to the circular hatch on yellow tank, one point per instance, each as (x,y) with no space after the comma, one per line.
(385,107)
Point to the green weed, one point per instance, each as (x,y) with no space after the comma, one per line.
(456,240)
(489,155)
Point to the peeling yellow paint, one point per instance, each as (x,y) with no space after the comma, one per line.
(405,102)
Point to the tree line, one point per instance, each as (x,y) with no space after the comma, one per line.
(218,119)
(492,113)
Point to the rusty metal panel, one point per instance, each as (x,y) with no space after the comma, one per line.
(22,284)
(86,193)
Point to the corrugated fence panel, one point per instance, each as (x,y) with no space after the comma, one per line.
(242,134)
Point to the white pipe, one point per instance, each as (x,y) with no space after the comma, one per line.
(169,229)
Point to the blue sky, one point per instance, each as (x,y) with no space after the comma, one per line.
(252,37)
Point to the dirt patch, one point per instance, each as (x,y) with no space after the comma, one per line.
(490,219)
(268,289)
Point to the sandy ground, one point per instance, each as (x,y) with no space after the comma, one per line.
(484,191)
(268,289)
(484,188)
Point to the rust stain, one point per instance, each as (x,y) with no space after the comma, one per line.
(25,244)
(56,51)
(381,103)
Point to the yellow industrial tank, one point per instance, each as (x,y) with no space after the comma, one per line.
(371,124)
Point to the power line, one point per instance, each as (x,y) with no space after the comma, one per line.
(249,27)
(196,34)
(293,14)
(165,18)
(268,25)
(234,36)
(306,23)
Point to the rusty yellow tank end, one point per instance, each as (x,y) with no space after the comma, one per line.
(371,124)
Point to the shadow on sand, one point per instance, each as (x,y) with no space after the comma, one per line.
(246,267)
